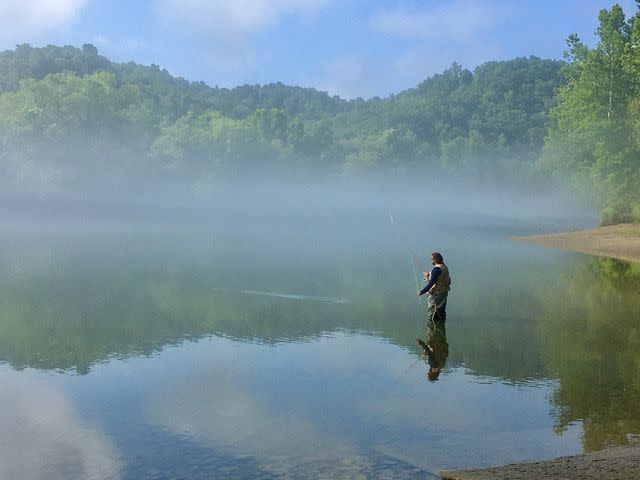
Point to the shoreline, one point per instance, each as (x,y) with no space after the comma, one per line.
(615,241)
(618,463)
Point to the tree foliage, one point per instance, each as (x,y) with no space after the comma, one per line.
(594,139)
(70,116)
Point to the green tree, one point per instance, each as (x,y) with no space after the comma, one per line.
(593,139)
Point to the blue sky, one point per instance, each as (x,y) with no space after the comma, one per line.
(347,47)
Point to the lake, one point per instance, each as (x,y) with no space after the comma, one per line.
(266,345)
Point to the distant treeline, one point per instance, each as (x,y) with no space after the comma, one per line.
(66,113)
(71,119)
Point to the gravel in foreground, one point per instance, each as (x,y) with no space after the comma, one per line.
(621,463)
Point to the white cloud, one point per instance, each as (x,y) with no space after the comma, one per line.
(43,436)
(438,34)
(26,21)
(231,20)
(457,20)
(228,416)
(121,48)
(223,406)
(303,405)
(350,77)
(425,60)
(228,28)
(345,77)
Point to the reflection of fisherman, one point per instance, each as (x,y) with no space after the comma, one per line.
(438,285)
(436,348)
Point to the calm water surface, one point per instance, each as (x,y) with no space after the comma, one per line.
(285,348)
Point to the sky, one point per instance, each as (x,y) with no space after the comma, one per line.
(351,48)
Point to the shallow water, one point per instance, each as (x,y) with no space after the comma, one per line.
(285,348)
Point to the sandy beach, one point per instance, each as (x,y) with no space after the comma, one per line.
(615,241)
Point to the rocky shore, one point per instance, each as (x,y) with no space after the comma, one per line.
(621,463)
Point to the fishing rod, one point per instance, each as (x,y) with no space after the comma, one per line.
(412,258)
(414,263)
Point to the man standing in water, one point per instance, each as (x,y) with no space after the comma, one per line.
(436,348)
(438,285)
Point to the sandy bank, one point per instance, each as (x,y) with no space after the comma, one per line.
(616,241)
(622,463)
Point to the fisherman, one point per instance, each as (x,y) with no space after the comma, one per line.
(437,287)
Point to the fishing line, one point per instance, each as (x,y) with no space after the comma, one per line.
(412,258)
(404,372)
(412,365)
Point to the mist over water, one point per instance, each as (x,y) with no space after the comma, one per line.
(204,282)
(271,199)
(270,330)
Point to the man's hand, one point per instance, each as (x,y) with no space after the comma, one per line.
(419,294)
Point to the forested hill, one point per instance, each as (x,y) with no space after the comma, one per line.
(180,95)
(489,122)
(70,117)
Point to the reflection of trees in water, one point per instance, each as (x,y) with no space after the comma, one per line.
(591,342)
(68,306)
(489,315)
(64,307)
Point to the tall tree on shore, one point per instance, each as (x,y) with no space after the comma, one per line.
(614,36)
(594,138)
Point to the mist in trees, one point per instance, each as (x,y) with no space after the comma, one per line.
(71,120)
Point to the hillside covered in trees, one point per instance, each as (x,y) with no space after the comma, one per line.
(71,119)
(69,114)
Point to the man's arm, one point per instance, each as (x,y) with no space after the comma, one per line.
(433,276)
